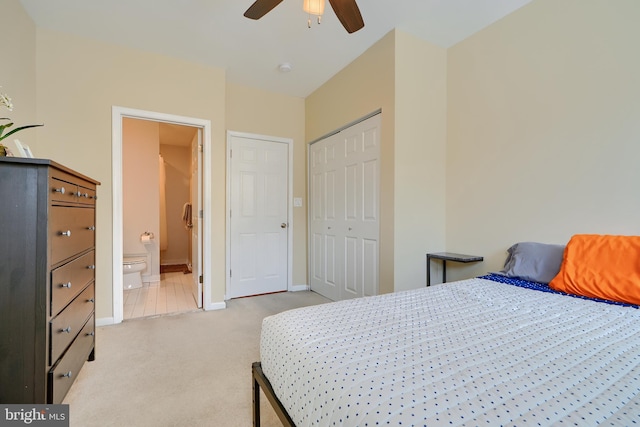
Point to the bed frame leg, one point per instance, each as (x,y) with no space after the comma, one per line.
(260,380)
(256,397)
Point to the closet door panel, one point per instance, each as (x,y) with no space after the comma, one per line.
(344,209)
(370,191)
(350,279)
(370,252)
(351,186)
(330,262)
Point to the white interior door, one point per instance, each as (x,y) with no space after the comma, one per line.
(344,224)
(259,223)
(325,203)
(361,144)
(196,218)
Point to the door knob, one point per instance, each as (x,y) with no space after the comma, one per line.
(283,225)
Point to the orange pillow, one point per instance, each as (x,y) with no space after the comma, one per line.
(601,266)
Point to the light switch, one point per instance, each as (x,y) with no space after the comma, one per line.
(297,202)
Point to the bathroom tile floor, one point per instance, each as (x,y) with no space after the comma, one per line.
(172,295)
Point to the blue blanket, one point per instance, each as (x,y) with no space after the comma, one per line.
(544,287)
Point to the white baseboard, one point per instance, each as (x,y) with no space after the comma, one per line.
(105,321)
(150,278)
(215,306)
(298,288)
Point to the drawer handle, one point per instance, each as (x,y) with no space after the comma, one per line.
(91,267)
(66,233)
(91,300)
(90,334)
(91,227)
(67,329)
(66,285)
(67,375)
(78,194)
(60,190)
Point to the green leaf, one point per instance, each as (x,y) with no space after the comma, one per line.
(2,128)
(14,130)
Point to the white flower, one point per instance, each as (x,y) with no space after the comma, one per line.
(6,101)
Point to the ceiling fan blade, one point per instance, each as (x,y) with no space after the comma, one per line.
(348,13)
(260,8)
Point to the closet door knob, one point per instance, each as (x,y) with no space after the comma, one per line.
(283,225)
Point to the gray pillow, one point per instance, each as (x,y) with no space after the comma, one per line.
(535,262)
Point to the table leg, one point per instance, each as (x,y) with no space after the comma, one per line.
(444,271)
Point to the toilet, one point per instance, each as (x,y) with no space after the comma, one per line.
(131,268)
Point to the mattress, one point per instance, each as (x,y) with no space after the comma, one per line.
(473,352)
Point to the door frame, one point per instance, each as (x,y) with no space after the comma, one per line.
(117,115)
(289,143)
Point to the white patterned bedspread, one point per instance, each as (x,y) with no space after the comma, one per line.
(474,352)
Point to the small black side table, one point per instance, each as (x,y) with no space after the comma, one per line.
(448,256)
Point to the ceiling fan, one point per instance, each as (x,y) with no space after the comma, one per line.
(346,10)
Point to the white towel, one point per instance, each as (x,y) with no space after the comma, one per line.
(186,215)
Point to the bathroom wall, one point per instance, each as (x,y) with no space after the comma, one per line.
(177,161)
(140,192)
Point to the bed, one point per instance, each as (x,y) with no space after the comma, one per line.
(491,350)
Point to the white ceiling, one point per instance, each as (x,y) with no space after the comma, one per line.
(215,32)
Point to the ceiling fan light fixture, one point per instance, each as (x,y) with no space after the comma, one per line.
(313,7)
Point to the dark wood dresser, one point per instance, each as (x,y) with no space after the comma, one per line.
(47,278)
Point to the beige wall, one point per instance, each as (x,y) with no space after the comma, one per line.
(79,80)
(18,70)
(543,129)
(364,86)
(420,144)
(266,113)
(140,198)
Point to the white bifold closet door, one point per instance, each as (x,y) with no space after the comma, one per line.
(344,212)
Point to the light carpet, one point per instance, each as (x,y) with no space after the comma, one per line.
(189,369)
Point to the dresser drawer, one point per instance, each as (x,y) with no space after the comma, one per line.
(62,375)
(67,189)
(68,280)
(71,231)
(64,328)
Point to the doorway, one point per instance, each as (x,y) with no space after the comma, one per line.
(202,216)
(161,182)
